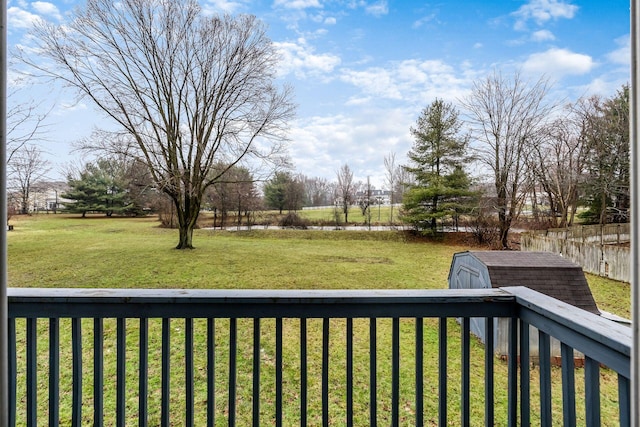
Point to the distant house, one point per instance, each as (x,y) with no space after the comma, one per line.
(44,196)
(377,197)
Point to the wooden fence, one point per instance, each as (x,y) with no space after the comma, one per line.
(598,249)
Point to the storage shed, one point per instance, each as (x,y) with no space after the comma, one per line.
(544,272)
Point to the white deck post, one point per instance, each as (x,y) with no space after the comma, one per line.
(4,347)
(634,120)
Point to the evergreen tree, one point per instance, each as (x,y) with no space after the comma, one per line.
(607,159)
(97,189)
(284,191)
(436,159)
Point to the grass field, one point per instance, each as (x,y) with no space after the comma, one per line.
(380,214)
(59,251)
(134,253)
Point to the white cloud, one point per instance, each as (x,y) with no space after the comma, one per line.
(622,55)
(20,18)
(411,81)
(324,143)
(300,59)
(542,35)
(226,6)
(425,19)
(66,107)
(46,8)
(376,82)
(558,63)
(541,11)
(297,4)
(378,8)
(330,20)
(605,85)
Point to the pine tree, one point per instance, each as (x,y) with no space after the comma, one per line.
(437,159)
(97,189)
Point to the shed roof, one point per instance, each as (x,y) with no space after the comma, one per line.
(544,272)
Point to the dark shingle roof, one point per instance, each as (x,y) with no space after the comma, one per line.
(544,272)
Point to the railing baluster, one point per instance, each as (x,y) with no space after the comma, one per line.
(373,373)
(349,372)
(188,367)
(624,400)
(568,386)
(419,371)
(121,366)
(395,372)
(98,372)
(442,372)
(32,380)
(12,371)
(592,391)
(303,372)
(279,372)
(256,372)
(76,343)
(233,354)
(544,348)
(465,374)
(525,375)
(211,378)
(325,372)
(54,372)
(143,370)
(488,373)
(512,373)
(166,369)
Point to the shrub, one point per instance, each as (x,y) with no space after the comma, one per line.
(293,220)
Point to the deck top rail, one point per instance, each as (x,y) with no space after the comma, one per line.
(183,303)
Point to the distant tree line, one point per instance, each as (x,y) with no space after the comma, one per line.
(558,164)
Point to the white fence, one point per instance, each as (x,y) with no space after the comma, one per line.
(598,249)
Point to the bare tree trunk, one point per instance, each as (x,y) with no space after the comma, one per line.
(187,218)
(505,226)
(603,208)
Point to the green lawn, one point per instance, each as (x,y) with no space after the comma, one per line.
(59,251)
(379,215)
(53,251)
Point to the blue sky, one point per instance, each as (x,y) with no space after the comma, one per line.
(364,69)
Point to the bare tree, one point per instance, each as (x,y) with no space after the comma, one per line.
(26,168)
(317,191)
(558,165)
(391,177)
(345,190)
(365,200)
(188,90)
(404,180)
(25,121)
(235,191)
(506,116)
